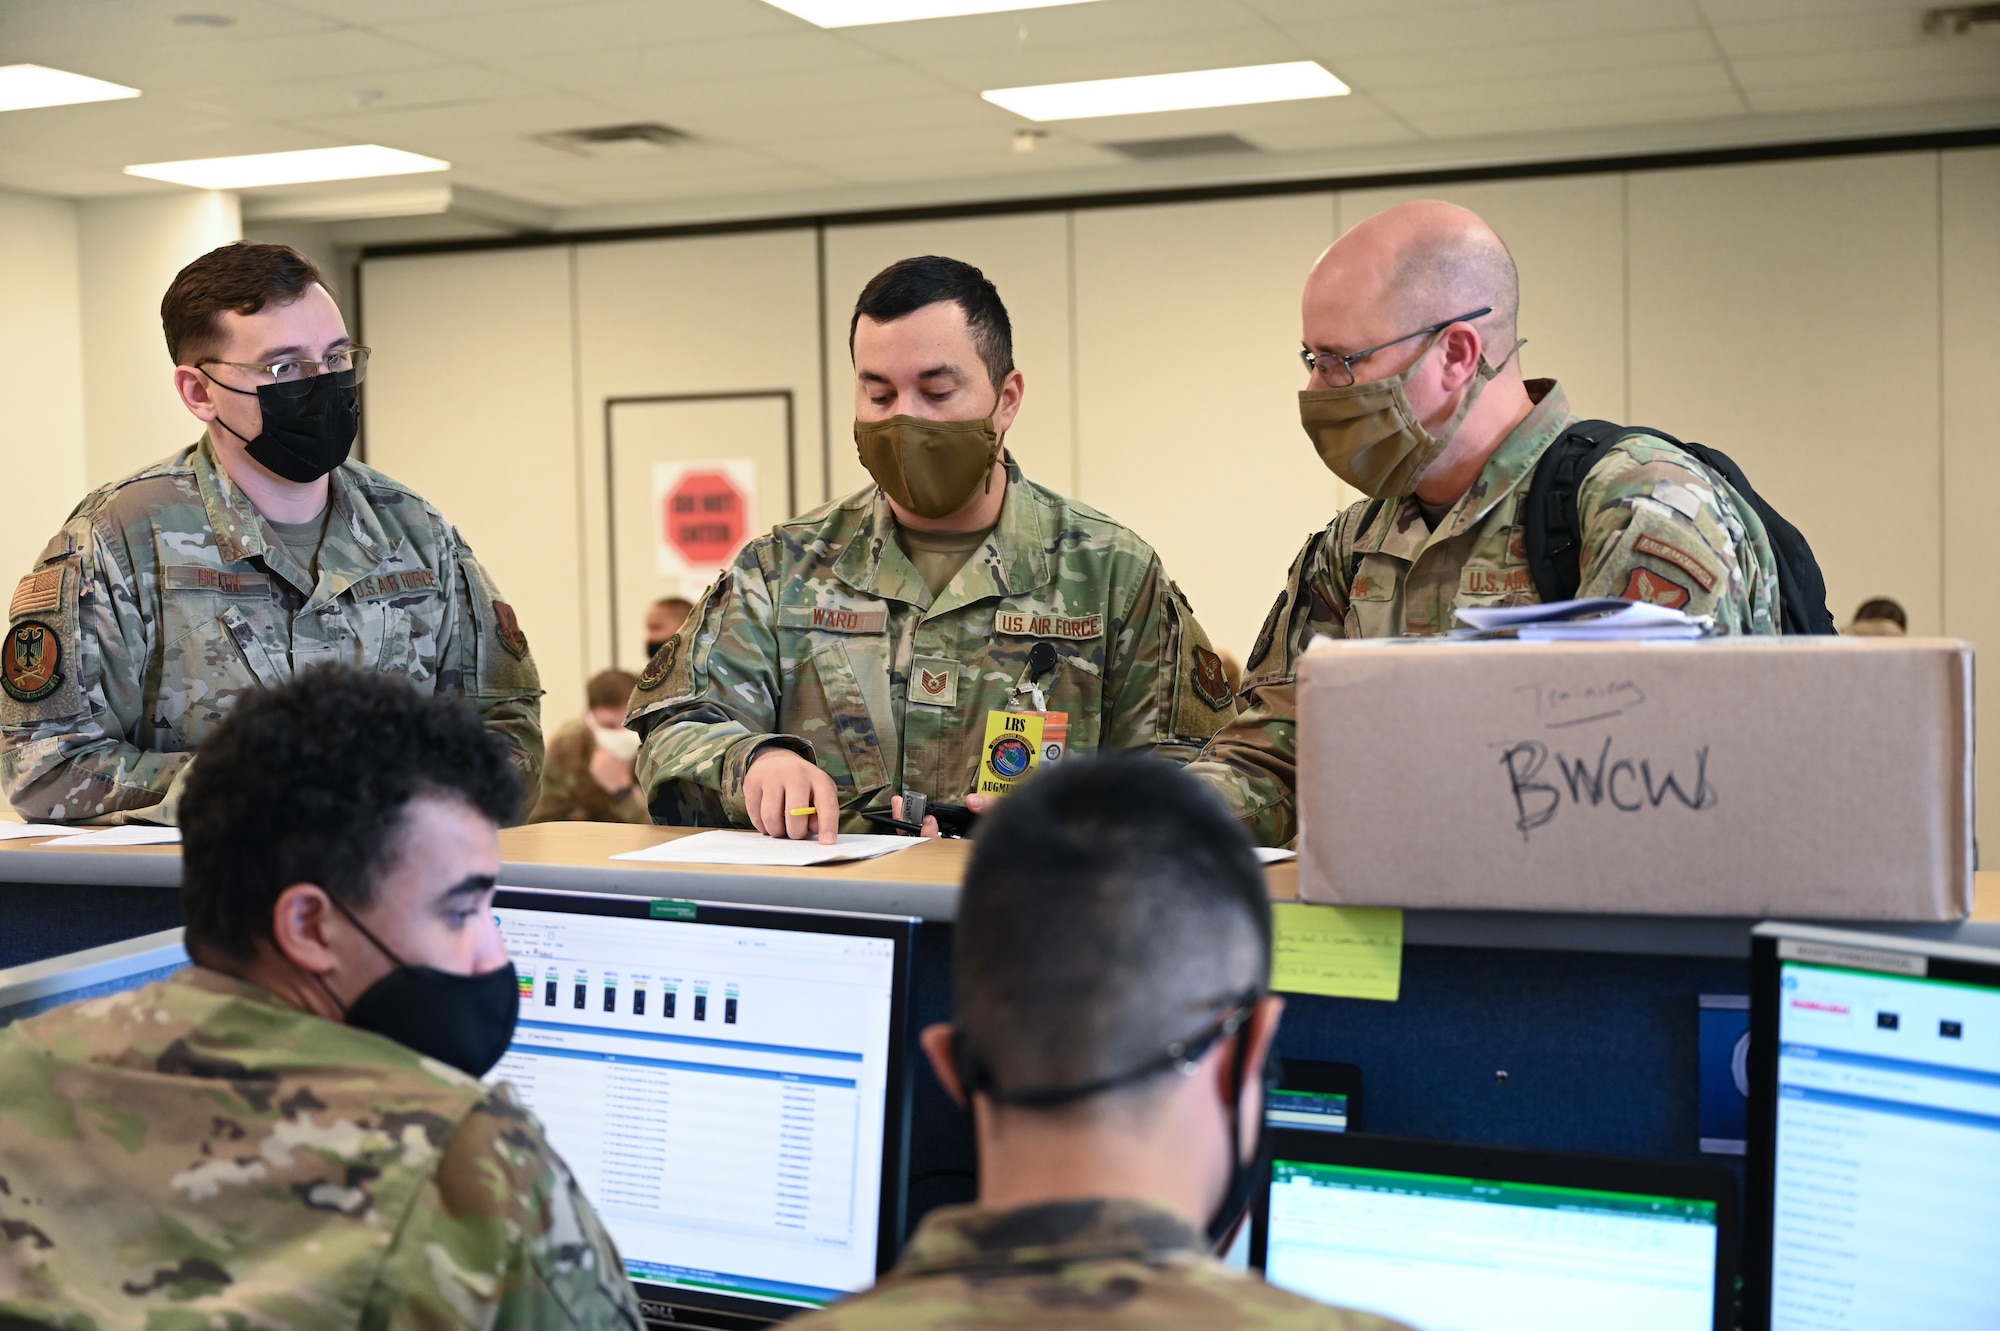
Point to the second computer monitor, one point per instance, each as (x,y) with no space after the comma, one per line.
(727,1084)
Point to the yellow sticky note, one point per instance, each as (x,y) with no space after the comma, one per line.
(1337,951)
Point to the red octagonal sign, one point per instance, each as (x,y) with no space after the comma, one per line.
(706,517)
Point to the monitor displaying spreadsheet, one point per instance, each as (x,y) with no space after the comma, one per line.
(726,1083)
(1876,1187)
(1452,1237)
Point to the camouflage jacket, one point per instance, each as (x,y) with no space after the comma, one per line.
(570,794)
(1657,526)
(1083,1265)
(823,638)
(166,595)
(197,1153)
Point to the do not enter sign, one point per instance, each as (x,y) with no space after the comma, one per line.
(706,517)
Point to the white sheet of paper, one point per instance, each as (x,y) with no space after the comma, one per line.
(754,848)
(1605,610)
(131,834)
(1273,854)
(18,831)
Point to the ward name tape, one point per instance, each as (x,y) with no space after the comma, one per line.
(1337,951)
(1016,744)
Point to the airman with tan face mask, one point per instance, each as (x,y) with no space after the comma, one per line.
(934,637)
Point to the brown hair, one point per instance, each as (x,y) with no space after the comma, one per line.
(610,688)
(243,276)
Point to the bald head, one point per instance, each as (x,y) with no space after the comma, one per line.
(1416,264)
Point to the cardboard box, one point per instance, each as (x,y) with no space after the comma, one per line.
(1805,778)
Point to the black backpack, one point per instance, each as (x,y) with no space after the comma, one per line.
(1555,533)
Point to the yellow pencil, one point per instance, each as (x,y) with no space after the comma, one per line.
(800,813)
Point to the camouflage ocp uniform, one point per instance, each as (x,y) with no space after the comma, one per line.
(823,639)
(1658,526)
(1073,1266)
(197,1153)
(166,595)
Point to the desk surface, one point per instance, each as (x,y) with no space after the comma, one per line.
(923,881)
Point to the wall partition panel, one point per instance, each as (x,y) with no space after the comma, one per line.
(731,317)
(1787,313)
(470,399)
(1567,235)
(1027,258)
(1187,336)
(1971,324)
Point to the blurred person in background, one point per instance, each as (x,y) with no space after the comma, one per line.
(588,777)
(1883,617)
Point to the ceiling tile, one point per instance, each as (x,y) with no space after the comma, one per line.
(1465,124)
(1604,90)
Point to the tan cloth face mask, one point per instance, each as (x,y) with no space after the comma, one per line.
(931,468)
(1371,437)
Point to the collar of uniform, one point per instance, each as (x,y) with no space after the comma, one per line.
(1514,461)
(238,526)
(1014,559)
(355,544)
(965,1238)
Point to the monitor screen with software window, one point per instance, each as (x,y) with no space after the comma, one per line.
(1875,1132)
(727,1084)
(1454,1237)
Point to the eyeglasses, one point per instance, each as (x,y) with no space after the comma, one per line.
(293,376)
(1338,370)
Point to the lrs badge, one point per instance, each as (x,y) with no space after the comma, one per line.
(508,630)
(31,661)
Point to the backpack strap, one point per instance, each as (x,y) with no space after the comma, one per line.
(1552,529)
(1353,569)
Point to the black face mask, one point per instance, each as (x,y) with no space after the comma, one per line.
(1244,1176)
(466,1021)
(307,436)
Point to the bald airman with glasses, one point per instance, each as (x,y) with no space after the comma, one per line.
(1415,397)
(255,552)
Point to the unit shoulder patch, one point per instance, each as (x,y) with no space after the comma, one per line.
(507,628)
(38,593)
(1210,680)
(31,661)
(662,662)
(1649,587)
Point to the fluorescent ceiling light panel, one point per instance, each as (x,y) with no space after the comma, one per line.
(855,13)
(1291,82)
(295,168)
(23,87)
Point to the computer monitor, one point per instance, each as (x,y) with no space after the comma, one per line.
(37,986)
(727,1084)
(1454,1237)
(1874,1166)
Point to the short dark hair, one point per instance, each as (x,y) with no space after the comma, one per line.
(610,688)
(1883,607)
(243,276)
(908,285)
(310,782)
(1112,908)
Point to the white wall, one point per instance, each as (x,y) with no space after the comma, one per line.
(129,251)
(1827,322)
(41,376)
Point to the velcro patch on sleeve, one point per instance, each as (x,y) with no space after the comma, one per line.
(507,628)
(1649,587)
(39,592)
(203,578)
(31,658)
(834,618)
(1679,558)
(1073,628)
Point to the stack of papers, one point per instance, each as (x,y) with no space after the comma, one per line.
(756,849)
(1597,619)
(129,834)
